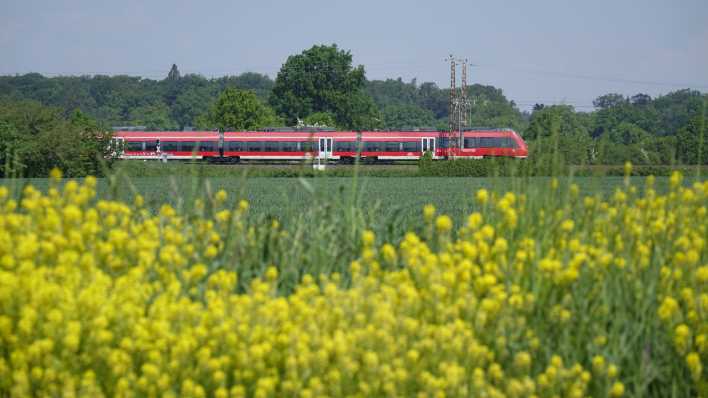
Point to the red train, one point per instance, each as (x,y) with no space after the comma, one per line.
(341,146)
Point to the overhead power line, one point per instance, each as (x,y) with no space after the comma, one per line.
(611,79)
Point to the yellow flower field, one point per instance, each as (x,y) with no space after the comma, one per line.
(588,296)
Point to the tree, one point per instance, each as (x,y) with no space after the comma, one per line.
(81,145)
(609,101)
(358,112)
(556,131)
(392,92)
(691,142)
(258,83)
(676,109)
(34,139)
(154,117)
(240,110)
(627,133)
(663,148)
(320,119)
(641,99)
(407,116)
(10,140)
(322,79)
(432,98)
(190,104)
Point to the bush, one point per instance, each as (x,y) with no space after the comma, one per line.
(34,139)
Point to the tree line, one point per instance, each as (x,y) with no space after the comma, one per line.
(321,86)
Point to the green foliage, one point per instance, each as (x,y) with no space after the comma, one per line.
(677,109)
(491,108)
(358,112)
(426,167)
(240,110)
(321,86)
(154,117)
(260,84)
(320,119)
(425,162)
(488,167)
(608,101)
(322,79)
(125,100)
(691,142)
(556,135)
(398,116)
(628,134)
(34,139)
(189,105)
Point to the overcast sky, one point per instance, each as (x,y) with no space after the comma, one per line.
(550,51)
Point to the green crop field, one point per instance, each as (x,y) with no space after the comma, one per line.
(337,208)
(386,200)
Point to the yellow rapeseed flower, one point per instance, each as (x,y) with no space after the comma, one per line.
(443,223)
(482,196)
(617,389)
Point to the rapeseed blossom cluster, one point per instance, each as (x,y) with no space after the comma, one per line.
(104,298)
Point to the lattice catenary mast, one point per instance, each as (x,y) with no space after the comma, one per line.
(459,105)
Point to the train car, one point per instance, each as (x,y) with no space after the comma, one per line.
(167,145)
(342,146)
(480,143)
(332,145)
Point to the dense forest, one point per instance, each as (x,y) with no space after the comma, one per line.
(320,86)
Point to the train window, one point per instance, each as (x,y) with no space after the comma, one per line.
(510,143)
(151,146)
(392,146)
(411,146)
(133,146)
(188,146)
(254,146)
(288,146)
(444,142)
(271,146)
(488,142)
(374,146)
(345,146)
(234,146)
(207,146)
(169,146)
(472,142)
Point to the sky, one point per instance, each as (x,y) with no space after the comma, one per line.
(543,51)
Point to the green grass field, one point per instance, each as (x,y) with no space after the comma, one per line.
(385,199)
(389,206)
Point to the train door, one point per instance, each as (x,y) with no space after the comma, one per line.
(428,144)
(325,148)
